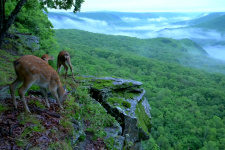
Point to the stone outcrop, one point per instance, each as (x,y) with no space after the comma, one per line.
(124,99)
(21,40)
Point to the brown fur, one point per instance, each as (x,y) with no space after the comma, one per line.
(46,58)
(33,70)
(64,59)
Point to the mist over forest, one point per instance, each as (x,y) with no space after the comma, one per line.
(149,25)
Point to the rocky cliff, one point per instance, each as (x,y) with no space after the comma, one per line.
(124,100)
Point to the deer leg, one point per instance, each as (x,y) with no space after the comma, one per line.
(13,87)
(22,90)
(55,95)
(45,94)
(71,68)
(59,66)
(66,69)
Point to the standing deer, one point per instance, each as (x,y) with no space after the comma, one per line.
(31,69)
(46,58)
(64,59)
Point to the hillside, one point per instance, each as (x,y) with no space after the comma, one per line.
(118,78)
(201,19)
(216,24)
(184,101)
(187,104)
(184,51)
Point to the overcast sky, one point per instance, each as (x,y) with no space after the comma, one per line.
(153,5)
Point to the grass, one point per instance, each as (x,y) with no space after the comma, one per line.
(79,106)
(7,73)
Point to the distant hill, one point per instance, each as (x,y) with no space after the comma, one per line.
(201,19)
(217,24)
(184,52)
(123,18)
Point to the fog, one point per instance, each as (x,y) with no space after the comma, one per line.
(143,28)
(140,28)
(217,52)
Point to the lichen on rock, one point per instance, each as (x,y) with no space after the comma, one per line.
(124,99)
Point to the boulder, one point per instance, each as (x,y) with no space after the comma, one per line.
(124,99)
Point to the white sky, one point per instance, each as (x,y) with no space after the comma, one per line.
(154,5)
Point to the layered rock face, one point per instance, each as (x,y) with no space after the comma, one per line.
(124,100)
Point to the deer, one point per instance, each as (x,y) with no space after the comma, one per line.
(64,59)
(46,57)
(33,70)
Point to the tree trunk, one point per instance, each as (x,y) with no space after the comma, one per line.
(5,25)
(2,13)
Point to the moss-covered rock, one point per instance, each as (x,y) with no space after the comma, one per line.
(124,99)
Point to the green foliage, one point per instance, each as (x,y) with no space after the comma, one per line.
(110,143)
(187,104)
(184,101)
(67,125)
(37,103)
(60,145)
(214,24)
(28,119)
(38,25)
(6,70)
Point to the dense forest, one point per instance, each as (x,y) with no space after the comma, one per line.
(185,87)
(187,103)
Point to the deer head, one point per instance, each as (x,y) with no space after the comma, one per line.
(33,70)
(46,58)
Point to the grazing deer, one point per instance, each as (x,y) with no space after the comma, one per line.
(33,70)
(64,59)
(46,58)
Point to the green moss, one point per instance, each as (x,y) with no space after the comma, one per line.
(113,100)
(126,104)
(144,121)
(82,138)
(127,95)
(101,84)
(120,102)
(3,108)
